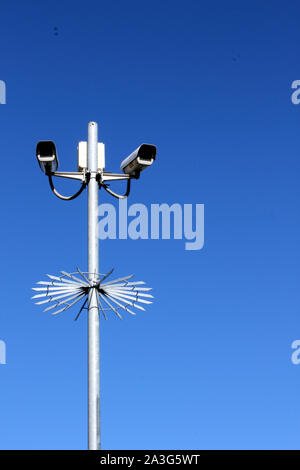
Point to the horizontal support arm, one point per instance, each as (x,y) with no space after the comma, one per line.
(73,175)
(113,177)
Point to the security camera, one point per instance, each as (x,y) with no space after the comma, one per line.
(47,156)
(138,160)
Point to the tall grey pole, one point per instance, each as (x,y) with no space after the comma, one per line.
(93,316)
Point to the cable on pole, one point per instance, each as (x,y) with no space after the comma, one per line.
(118,196)
(66,198)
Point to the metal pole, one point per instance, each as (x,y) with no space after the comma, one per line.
(93,316)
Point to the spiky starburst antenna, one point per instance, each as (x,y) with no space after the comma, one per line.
(68,289)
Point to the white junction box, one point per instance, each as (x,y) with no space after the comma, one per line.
(83,157)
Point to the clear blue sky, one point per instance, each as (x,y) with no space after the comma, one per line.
(209,365)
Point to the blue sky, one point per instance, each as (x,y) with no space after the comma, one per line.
(208,366)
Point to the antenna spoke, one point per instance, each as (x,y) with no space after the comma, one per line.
(106,275)
(117,280)
(63,302)
(129,293)
(68,305)
(82,307)
(62,279)
(101,308)
(83,276)
(124,307)
(74,278)
(110,305)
